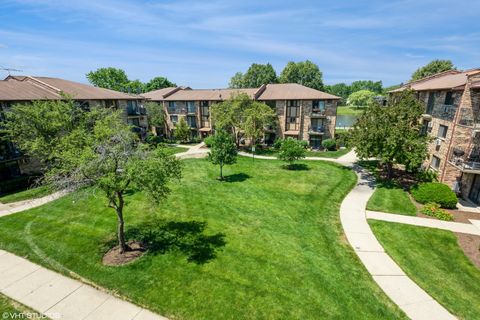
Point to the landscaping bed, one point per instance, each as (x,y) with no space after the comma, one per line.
(436,262)
(264,244)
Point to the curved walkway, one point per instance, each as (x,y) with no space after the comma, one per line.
(14,207)
(412,299)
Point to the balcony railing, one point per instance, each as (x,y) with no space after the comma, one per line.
(316,129)
(466,161)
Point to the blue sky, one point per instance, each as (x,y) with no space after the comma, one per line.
(203,43)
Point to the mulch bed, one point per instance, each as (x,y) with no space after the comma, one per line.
(470,245)
(114,258)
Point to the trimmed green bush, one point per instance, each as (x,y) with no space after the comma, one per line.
(208,141)
(435,192)
(329,144)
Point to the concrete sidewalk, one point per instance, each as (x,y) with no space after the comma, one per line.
(425,222)
(14,207)
(60,297)
(402,290)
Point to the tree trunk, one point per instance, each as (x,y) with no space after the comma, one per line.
(121,224)
(221,171)
(389,166)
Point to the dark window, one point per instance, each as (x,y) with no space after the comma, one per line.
(174,119)
(205,114)
(172,106)
(318,105)
(442,131)
(449,98)
(84,105)
(435,162)
(431,102)
(317,125)
(134,121)
(192,121)
(315,142)
(271,103)
(191,108)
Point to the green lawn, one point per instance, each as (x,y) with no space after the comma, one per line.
(284,257)
(346,110)
(25,194)
(319,154)
(433,259)
(173,150)
(391,199)
(10,309)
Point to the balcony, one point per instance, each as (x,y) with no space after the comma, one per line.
(466,161)
(316,130)
(318,113)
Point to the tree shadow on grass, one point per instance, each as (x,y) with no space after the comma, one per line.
(238,177)
(296,167)
(160,237)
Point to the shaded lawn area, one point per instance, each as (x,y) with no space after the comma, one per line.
(391,199)
(319,154)
(346,110)
(284,257)
(37,192)
(174,149)
(434,260)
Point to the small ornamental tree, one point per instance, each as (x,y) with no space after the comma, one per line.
(228,115)
(156,115)
(182,130)
(291,150)
(256,117)
(392,134)
(93,149)
(222,151)
(362,98)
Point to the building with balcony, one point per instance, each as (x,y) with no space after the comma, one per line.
(25,89)
(302,113)
(452,119)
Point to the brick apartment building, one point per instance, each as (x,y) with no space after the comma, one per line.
(24,89)
(452,118)
(302,113)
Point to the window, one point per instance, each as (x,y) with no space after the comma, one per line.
(435,162)
(172,106)
(449,98)
(84,105)
(134,121)
(442,131)
(205,114)
(174,119)
(431,102)
(315,142)
(271,103)
(192,121)
(317,125)
(318,105)
(191,108)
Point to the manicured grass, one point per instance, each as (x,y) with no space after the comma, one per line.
(433,259)
(346,110)
(25,194)
(284,257)
(174,150)
(391,199)
(319,154)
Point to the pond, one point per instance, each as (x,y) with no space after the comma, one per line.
(346,121)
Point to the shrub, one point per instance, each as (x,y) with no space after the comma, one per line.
(433,210)
(277,144)
(426,175)
(341,139)
(329,144)
(153,140)
(435,192)
(208,141)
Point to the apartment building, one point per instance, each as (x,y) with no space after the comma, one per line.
(24,89)
(302,113)
(452,119)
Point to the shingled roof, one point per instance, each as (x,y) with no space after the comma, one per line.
(26,88)
(281,91)
(448,80)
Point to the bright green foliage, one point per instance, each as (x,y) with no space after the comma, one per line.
(256,117)
(433,209)
(305,73)
(182,130)
(256,75)
(291,150)
(391,198)
(93,148)
(435,261)
(340,90)
(434,67)
(109,78)
(329,144)
(374,86)
(362,98)
(156,114)
(282,231)
(392,134)
(435,192)
(223,150)
(158,83)
(117,79)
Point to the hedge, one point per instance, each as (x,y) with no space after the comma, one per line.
(435,192)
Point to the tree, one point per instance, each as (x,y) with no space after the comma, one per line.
(291,150)
(236,82)
(256,117)
(361,98)
(340,89)
(305,73)
(109,78)
(223,150)
(182,130)
(135,86)
(156,114)
(374,86)
(392,134)
(158,83)
(435,66)
(256,75)
(95,149)
(228,115)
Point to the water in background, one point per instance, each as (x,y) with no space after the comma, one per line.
(346,121)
